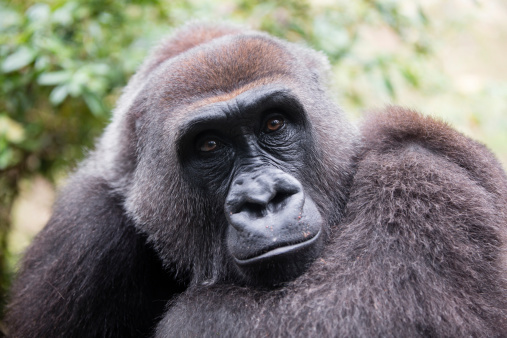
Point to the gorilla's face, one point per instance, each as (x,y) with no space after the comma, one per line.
(239,173)
(255,145)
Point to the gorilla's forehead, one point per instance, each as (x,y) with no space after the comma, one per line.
(224,66)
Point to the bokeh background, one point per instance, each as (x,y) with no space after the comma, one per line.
(63,64)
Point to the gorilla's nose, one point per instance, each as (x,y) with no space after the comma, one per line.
(258,195)
(271,220)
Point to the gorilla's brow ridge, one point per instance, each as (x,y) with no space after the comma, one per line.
(250,102)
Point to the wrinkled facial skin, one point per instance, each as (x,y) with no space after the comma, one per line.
(255,145)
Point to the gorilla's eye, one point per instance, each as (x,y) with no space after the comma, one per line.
(209,145)
(273,124)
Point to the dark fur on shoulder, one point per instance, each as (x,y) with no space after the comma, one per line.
(413,213)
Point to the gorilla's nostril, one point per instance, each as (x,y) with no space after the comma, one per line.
(279,201)
(254,210)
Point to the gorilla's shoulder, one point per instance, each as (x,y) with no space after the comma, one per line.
(396,127)
(397,134)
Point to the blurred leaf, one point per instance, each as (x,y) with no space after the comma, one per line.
(19,59)
(410,76)
(11,130)
(389,86)
(9,18)
(42,62)
(39,12)
(7,157)
(53,78)
(422,16)
(64,14)
(100,68)
(58,94)
(94,103)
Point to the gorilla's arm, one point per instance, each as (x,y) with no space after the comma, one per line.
(88,272)
(424,237)
(419,252)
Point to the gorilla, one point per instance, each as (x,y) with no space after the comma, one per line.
(230,197)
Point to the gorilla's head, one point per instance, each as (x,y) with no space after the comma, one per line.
(230,155)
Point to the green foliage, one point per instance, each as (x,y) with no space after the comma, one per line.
(59,62)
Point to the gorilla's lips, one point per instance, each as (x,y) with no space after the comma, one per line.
(279,250)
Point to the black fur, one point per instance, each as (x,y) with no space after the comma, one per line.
(89,272)
(415,217)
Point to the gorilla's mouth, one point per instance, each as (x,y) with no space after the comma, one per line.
(278,251)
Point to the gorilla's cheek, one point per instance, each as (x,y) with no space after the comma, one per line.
(275,229)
